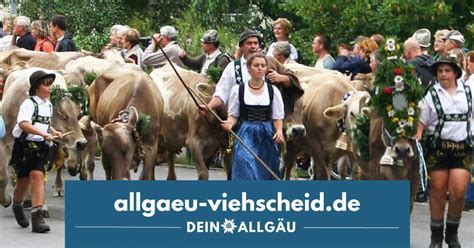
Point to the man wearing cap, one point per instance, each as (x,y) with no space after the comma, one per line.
(445,115)
(422,62)
(454,40)
(212,55)
(423,37)
(236,73)
(31,149)
(153,55)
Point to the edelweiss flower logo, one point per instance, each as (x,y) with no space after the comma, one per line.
(229,226)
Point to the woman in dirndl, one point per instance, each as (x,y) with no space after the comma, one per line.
(257,107)
(445,116)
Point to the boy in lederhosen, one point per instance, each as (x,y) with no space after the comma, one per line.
(445,115)
(33,135)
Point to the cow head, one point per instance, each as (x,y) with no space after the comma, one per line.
(65,120)
(120,144)
(349,108)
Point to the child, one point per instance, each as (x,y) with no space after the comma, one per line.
(31,147)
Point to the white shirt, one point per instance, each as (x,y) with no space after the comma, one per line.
(227,81)
(209,59)
(456,104)
(26,112)
(278,112)
(293,53)
(5,42)
(470,82)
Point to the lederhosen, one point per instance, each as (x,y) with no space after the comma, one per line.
(447,154)
(30,155)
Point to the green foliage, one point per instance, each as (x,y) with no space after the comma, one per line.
(190,33)
(93,42)
(143,124)
(360,136)
(214,73)
(75,93)
(78,94)
(57,94)
(90,77)
(396,80)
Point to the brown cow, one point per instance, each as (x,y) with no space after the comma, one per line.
(52,61)
(109,94)
(64,119)
(321,133)
(182,124)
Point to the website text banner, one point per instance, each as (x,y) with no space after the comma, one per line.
(237,214)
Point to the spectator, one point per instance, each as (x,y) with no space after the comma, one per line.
(282,30)
(58,28)
(344,49)
(134,53)
(22,29)
(114,39)
(321,47)
(469,68)
(282,52)
(422,62)
(454,40)
(167,39)
(356,43)
(39,30)
(212,54)
(423,37)
(360,62)
(378,38)
(6,40)
(439,43)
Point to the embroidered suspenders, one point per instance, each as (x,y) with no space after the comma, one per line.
(442,118)
(238,71)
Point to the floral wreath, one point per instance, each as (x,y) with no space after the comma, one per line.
(397,92)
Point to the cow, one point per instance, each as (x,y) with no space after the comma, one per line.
(319,133)
(120,91)
(97,65)
(183,126)
(406,157)
(64,119)
(52,61)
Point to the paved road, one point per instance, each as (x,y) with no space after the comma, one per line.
(12,236)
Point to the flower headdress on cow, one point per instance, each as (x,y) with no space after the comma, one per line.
(397,92)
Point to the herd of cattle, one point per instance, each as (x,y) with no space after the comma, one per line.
(174,121)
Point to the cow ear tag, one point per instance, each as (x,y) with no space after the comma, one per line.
(399,102)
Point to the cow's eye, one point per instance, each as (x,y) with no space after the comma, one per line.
(352,114)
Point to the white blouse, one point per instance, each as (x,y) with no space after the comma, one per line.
(456,104)
(278,112)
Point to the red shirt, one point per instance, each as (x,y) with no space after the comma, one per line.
(44,46)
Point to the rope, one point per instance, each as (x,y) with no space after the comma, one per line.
(195,96)
(423,171)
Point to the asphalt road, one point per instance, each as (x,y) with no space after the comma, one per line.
(12,236)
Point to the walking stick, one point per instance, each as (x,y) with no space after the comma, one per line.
(194,95)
